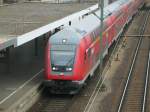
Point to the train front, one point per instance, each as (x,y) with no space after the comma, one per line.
(60,60)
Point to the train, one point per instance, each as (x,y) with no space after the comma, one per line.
(72,54)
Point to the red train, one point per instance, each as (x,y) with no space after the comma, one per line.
(72,54)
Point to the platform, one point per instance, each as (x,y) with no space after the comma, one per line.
(20,75)
(22,72)
(17,24)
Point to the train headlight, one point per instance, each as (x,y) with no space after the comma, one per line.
(68,69)
(54,68)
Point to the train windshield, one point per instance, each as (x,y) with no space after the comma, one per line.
(62,58)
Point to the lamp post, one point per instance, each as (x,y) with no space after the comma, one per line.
(101,7)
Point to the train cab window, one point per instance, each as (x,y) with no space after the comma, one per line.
(62,58)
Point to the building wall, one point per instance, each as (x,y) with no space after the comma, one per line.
(1,2)
(12,1)
(9,1)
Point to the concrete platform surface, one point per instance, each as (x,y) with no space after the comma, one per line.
(24,17)
(21,74)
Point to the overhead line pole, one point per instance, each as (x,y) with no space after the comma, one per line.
(101,7)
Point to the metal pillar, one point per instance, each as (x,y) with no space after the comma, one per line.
(36,46)
(101,7)
(8,59)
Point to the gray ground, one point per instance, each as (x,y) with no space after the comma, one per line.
(18,70)
(33,15)
(24,17)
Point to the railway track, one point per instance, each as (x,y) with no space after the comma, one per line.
(146,85)
(63,103)
(133,98)
(60,103)
(81,102)
(51,103)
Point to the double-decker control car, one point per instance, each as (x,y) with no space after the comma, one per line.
(72,54)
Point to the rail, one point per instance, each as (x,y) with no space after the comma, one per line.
(101,81)
(146,84)
(133,62)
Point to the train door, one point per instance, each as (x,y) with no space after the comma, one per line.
(88,52)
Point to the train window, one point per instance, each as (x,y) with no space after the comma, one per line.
(97,32)
(85,56)
(62,60)
(62,57)
(88,52)
(93,36)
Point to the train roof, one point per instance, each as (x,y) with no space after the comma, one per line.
(79,29)
(91,22)
(66,36)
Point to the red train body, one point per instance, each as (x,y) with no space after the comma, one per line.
(72,54)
